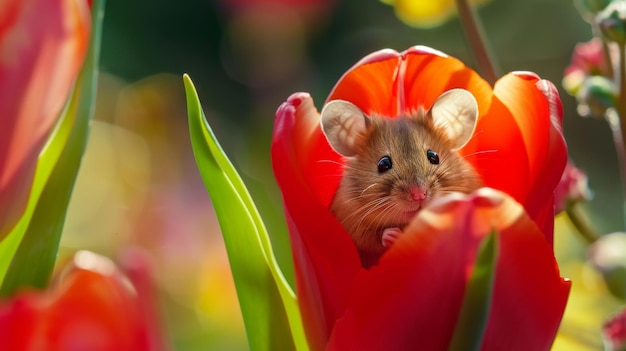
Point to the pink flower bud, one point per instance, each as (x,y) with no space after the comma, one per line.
(573,187)
(614,332)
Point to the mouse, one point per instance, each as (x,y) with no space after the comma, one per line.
(396,165)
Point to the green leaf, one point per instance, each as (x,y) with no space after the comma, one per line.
(28,254)
(472,322)
(268,304)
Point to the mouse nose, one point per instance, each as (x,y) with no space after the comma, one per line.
(417,193)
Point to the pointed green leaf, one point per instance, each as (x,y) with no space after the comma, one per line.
(28,254)
(268,304)
(472,322)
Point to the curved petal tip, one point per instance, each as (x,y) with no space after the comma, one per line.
(377,56)
(549,90)
(488,197)
(292,103)
(425,50)
(528,75)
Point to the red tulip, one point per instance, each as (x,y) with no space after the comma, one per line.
(42,46)
(517,148)
(91,306)
(614,331)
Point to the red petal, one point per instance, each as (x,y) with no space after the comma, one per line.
(370,84)
(92,306)
(520,136)
(325,257)
(42,47)
(389,83)
(414,295)
(428,74)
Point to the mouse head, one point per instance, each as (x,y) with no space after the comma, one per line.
(406,160)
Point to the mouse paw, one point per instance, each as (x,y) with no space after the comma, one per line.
(390,235)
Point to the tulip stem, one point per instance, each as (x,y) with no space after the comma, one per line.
(607,58)
(617,120)
(477,40)
(581,222)
(613,118)
(621,100)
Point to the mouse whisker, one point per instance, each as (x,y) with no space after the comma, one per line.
(388,216)
(369,187)
(344,165)
(331,161)
(481,152)
(365,210)
(382,215)
(476,133)
(360,194)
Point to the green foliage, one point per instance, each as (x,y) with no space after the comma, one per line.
(472,322)
(28,254)
(268,304)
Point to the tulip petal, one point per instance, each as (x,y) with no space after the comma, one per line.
(325,257)
(423,79)
(34,241)
(275,323)
(431,261)
(90,306)
(521,134)
(389,83)
(42,47)
(369,84)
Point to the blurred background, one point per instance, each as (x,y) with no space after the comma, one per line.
(138,184)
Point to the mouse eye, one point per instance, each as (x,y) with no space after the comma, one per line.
(384,164)
(432,157)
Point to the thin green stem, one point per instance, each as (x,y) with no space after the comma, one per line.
(581,223)
(613,119)
(476,39)
(620,109)
(606,52)
(620,105)
(607,58)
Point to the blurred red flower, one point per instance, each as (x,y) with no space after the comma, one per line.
(588,59)
(614,331)
(517,148)
(573,187)
(42,47)
(91,305)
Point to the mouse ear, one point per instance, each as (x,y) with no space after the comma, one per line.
(456,111)
(344,125)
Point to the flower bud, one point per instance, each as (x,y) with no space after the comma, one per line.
(608,255)
(595,96)
(612,22)
(572,188)
(614,332)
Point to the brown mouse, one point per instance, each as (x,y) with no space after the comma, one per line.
(395,166)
